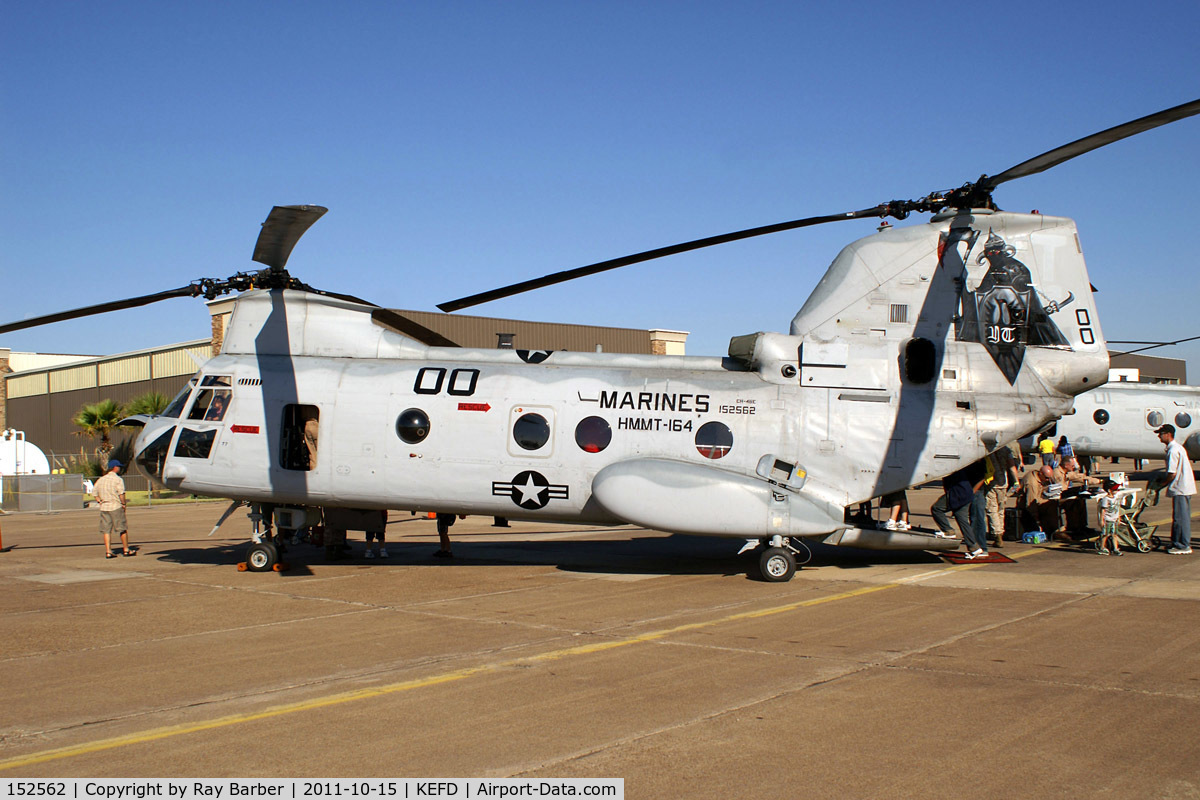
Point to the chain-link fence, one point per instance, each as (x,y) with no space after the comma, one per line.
(41,493)
(69,486)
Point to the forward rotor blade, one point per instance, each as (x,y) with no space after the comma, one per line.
(101,308)
(649,255)
(1087,144)
(1154,345)
(282,229)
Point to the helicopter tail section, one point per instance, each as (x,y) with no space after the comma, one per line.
(969,332)
(1008,293)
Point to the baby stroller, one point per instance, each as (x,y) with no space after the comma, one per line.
(1131,532)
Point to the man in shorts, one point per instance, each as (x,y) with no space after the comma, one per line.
(110,492)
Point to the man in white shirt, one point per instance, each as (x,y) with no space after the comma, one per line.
(1181,485)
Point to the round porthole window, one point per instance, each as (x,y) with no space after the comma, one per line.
(1183,419)
(531,431)
(412,425)
(714,440)
(593,434)
(1101,416)
(1154,419)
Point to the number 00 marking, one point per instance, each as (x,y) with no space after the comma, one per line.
(431,379)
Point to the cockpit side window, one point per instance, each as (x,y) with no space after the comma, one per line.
(216,380)
(211,405)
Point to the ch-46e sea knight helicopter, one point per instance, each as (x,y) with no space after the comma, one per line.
(1120,419)
(922,349)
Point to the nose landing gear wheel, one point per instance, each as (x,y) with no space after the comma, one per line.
(262,557)
(777,564)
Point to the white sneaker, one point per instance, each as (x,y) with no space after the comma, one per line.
(1180,551)
(383,552)
(887,525)
(978,552)
(944,535)
(904,526)
(369,554)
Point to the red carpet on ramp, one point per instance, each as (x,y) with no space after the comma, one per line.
(991,558)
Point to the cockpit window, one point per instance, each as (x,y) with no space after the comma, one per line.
(211,404)
(216,380)
(176,407)
(152,458)
(195,444)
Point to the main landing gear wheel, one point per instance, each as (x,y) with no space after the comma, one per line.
(777,564)
(262,557)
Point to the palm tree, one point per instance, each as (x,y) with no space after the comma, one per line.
(150,404)
(97,421)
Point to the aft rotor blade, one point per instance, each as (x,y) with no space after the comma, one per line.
(101,308)
(393,321)
(339,296)
(649,255)
(282,229)
(414,330)
(1089,143)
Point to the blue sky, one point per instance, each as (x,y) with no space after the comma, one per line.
(462,146)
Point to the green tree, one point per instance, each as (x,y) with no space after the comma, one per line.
(150,403)
(97,421)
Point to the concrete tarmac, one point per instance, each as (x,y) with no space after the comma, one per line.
(558,651)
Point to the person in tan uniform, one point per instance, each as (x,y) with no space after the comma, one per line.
(1074,508)
(1041,511)
(1003,477)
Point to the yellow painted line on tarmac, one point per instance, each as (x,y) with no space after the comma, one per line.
(1023,553)
(158,734)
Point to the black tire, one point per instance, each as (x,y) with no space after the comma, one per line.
(777,565)
(1156,542)
(261,557)
(1143,546)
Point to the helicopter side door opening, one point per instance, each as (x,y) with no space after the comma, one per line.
(301,431)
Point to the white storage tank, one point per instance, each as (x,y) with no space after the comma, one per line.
(19,457)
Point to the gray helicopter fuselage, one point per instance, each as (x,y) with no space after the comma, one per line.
(912,359)
(1120,420)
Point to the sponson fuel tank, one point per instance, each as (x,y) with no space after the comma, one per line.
(695,498)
